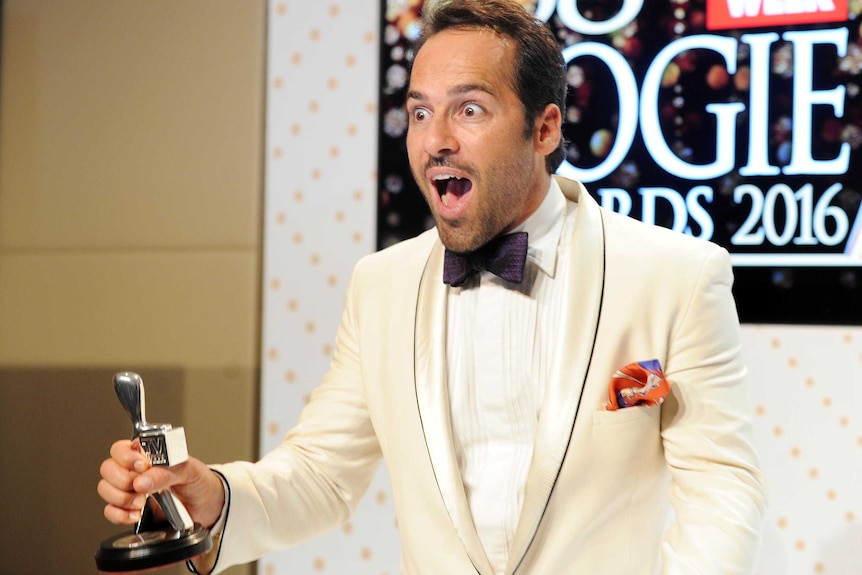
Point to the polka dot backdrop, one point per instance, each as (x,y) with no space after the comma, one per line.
(806,389)
(321,130)
(320,218)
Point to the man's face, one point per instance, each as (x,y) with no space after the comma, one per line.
(466,143)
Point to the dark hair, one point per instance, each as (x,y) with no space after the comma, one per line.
(540,72)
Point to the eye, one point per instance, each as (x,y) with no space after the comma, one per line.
(419,114)
(472,110)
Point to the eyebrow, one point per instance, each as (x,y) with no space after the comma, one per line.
(453,91)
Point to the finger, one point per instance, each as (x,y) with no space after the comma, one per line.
(120,498)
(117,475)
(159,478)
(123,508)
(119,516)
(127,453)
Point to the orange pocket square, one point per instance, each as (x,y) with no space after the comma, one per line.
(640,383)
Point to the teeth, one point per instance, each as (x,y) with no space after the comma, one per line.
(441,182)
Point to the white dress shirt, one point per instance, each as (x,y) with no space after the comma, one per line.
(498,350)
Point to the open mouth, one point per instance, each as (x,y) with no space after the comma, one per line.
(451,188)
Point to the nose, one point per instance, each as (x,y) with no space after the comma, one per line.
(439,137)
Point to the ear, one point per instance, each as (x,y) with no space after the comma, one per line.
(547,130)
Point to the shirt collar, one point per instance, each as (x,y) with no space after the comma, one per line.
(545,227)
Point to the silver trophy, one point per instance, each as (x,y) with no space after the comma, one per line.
(153,544)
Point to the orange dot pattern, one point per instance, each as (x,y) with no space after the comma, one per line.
(320,217)
(804,385)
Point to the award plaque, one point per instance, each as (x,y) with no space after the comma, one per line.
(153,544)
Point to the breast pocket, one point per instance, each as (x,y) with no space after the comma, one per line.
(628,435)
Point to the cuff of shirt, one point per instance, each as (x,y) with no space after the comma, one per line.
(204,564)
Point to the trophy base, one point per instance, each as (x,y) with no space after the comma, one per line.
(152,549)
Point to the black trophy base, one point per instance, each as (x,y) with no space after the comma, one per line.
(151,549)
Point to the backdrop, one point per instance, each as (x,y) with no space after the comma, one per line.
(321,187)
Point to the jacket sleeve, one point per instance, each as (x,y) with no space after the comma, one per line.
(717,490)
(314,479)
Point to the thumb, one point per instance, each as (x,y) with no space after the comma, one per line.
(159,478)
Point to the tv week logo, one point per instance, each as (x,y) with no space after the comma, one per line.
(730,14)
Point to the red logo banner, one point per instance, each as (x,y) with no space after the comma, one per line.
(732,14)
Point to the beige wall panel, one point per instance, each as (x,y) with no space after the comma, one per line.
(131,137)
(221,413)
(56,426)
(167,308)
(131,124)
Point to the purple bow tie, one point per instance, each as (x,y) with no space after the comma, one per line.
(504,256)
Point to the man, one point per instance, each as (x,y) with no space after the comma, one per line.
(489,396)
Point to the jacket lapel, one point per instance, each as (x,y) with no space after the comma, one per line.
(433,400)
(581,312)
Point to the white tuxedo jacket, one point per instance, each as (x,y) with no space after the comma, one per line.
(597,493)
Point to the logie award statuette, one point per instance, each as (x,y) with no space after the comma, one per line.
(152,545)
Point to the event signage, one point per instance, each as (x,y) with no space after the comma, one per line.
(777,214)
(735,121)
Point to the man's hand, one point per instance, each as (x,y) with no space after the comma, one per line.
(127,477)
